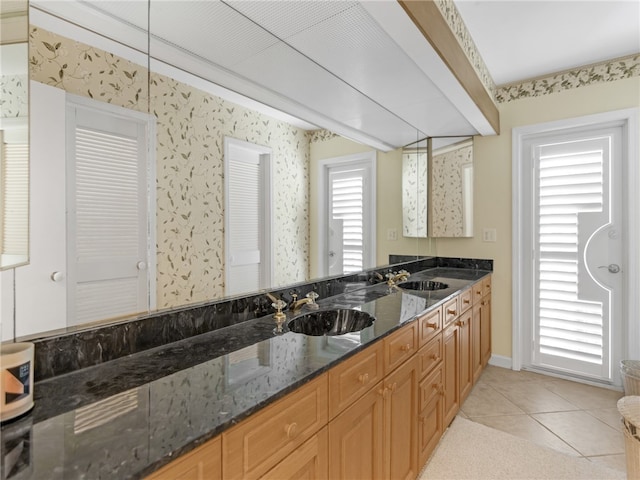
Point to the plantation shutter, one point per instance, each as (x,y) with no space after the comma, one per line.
(569,184)
(15,193)
(107,215)
(346,198)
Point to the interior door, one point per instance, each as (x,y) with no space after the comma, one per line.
(578,244)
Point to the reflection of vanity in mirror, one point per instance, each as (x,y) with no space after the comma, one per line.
(174,119)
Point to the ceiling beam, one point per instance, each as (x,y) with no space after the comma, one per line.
(428,18)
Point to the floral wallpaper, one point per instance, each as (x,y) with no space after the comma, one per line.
(14,95)
(447,218)
(603,72)
(190,130)
(321,135)
(88,71)
(457,26)
(414,194)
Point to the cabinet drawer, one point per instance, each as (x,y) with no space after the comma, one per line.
(252,448)
(477,292)
(311,460)
(430,325)
(466,300)
(400,346)
(349,380)
(429,356)
(430,388)
(451,310)
(486,286)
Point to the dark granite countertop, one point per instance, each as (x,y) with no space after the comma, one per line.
(127,417)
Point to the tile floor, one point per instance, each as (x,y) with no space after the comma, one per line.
(572,418)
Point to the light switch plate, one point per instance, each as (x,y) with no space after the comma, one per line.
(392,234)
(489,234)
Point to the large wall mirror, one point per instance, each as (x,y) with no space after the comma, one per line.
(14,134)
(146,172)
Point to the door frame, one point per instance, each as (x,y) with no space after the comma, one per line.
(322,182)
(522,286)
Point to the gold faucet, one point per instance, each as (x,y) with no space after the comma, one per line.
(395,277)
(310,300)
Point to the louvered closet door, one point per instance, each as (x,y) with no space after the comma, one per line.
(577,259)
(14,239)
(106,215)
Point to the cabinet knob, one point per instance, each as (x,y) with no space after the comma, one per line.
(363,378)
(405,348)
(57,276)
(432,325)
(141,266)
(433,356)
(292,430)
(466,300)
(383,391)
(451,311)
(393,387)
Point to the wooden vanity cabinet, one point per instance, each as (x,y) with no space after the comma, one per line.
(376,436)
(259,443)
(203,463)
(485,329)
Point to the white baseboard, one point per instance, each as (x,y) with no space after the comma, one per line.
(501,361)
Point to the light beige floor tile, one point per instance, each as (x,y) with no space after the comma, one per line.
(586,397)
(610,416)
(524,426)
(498,375)
(585,433)
(615,462)
(485,400)
(532,397)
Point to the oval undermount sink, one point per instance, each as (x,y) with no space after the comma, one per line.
(423,285)
(331,322)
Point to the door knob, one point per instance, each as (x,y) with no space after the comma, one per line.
(612,267)
(57,276)
(141,266)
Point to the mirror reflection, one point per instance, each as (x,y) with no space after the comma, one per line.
(14,135)
(157,188)
(451,176)
(415,190)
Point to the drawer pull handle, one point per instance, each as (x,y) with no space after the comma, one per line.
(478,292)
(405,348)
(393,387)
(433,356)
(466,300)
(363,378)
(432,325)
(383,391)
(292,430)
(451,311)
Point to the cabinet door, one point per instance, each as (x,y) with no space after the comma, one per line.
(356,439)
(476,349)
(401,414)
(430,420)
(451,346)
(203,463)
(485,329)
(466,372)
(309,461)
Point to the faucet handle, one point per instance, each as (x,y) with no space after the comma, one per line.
(313,296)
(279,305)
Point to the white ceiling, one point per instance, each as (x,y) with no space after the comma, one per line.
(523,39)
